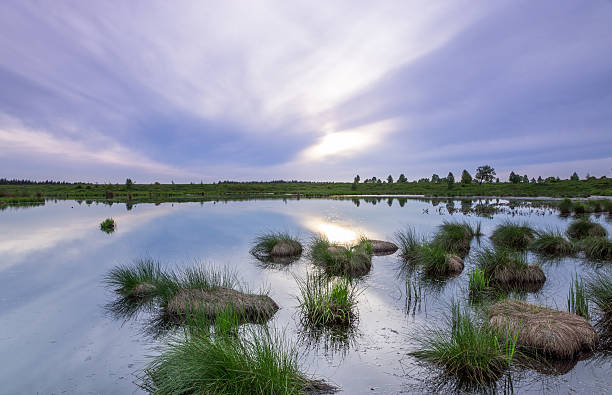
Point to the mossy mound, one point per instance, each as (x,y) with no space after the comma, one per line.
(381,247)
(544,330)
(249,307)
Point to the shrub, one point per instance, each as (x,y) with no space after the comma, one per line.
(584,227)
(512,235)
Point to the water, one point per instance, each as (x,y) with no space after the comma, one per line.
(56,336)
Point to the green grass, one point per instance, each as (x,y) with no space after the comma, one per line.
(577,301)
(342,260)
(552,243)
(491,259)
(599,291)
(124,279)
(409,243)
(566,206)
(455,237)
(254,360)
(108,225)
(327,302)
(264,243)
(512,235)
(469,350)
(478,281)
(432,257)
(583,227)
(596,247)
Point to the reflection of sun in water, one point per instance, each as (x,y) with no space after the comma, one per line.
(334,232)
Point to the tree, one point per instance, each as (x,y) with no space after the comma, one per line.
(485,174)
(514,178)
(435,179)
(533,180)
(357,179)
(402,178)
(466,178)
(540,180)
(575,177)
(128,183)
(450,180)
(390,179)
(526,179)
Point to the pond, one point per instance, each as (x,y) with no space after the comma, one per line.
(57,335)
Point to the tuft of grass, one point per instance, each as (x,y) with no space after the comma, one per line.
(227,361)
(508,268)
(327,302)
(409,243)
(108,225)
(577,301)
(599,290)
(433,259)
(552,243)
(584,227)
(596,247)
(455,237)
(511,235)
(142,274)
(478,281)
(565,207)
(580,208)
(469,350)
(341,260)
(264,245)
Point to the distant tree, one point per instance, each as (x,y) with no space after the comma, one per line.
(497,180)
(357,179)
(514,178)
(423,180)
(526,179)
(533,180)
(390,179)
(402,178)
(379,181)
(575,177)
(540,180)
(128,183)
(435,179)
(466,178)
(450,180)
(485,174)
(550,179)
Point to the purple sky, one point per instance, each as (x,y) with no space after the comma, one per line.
(249,90)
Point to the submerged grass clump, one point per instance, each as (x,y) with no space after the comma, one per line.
(327,302)
(467,349)
(508,268)
(584,227)
(275,244)
(577,301)
(599,291)
(512,235)
(552,243)
(596,247)
(341,260)
(108,225)
(227,361)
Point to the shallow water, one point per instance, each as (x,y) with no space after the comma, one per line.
(57,336)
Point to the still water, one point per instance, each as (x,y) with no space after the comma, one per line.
(56,336)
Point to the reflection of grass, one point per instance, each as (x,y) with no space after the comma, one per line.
(227,361)
(327,302)
(511,235)
(108,225)
(466,349)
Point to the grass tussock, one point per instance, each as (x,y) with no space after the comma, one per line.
(381,247)
(409,243)
(108,225)
(228,361)
(327,302)
(596,247)
(432,256)
(275,244)
(471,351)
(583,228)
(566,206)
(543,330)
(552,243)
(599,290)
(508,268)
(455,237)
(577,301)
(341,260)
(479,283)
(512,235)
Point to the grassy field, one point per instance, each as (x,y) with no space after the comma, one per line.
(171,192)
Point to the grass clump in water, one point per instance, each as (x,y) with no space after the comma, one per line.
(596,247)
(409,243)
(228,360)
(143,277)
(455,237)
(552,243)
(583,227)
(479,283)
(565,207)
(340,260)
(511,235)
(327,302)
(108,225)
(599,290)
(508,268)
(471,351)
(577,301)
(275,244)
(432,256)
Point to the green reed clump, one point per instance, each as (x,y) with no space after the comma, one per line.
(552,243)
(455,237)
(227,361)
(508,268)
(143,276)
(275,244)
(565,207)
(599,290)
(108,225)
(580,208)
(596,247)
(327,302)
(337,259)
(433,258)
(511,235)
(577,301)
(409,243)
(478,281)
(467,349)
(584,227)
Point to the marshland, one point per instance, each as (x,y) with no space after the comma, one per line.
(87,311)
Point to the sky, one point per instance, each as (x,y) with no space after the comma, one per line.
(191,91)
